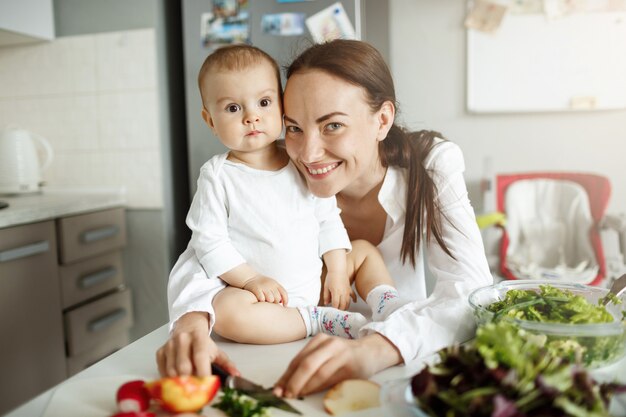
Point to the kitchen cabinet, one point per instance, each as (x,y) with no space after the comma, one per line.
(32,356)
(63,302)
(26,21)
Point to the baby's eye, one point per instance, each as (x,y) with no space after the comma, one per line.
(265,102)
(233,108)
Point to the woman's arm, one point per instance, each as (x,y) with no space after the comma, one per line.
(327,360)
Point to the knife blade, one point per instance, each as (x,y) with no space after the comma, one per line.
(264,395)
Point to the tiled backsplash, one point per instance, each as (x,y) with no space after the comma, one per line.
(94,97)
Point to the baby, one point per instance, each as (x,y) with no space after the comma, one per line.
(256,226)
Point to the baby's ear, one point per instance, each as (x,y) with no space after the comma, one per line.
(206,116)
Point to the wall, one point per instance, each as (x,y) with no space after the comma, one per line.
(428,62)
(94,98)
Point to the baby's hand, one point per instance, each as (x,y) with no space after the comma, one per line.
(337,290)
(266,289)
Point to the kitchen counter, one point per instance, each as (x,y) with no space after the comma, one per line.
(57,202)
(91,392)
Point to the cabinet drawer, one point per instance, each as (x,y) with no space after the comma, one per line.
(77,363)
(86,279)
(93,324)
(90,234)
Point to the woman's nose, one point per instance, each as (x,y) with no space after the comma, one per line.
(312,148)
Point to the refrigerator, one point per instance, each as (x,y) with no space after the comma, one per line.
(368,17)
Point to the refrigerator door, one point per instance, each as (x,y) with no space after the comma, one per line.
(201,142)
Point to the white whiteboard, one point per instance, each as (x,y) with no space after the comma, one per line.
(531,63)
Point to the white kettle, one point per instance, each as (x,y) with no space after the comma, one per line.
(20,166)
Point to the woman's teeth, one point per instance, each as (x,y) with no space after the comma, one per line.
(322,170)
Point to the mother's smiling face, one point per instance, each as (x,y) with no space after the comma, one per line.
(331,133)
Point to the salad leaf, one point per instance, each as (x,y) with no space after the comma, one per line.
(236,404)
(508,372)
(551,305)
(554,305)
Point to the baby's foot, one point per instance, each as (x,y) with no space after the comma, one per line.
(336,322)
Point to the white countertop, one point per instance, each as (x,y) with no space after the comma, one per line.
(57,202)
(91,393)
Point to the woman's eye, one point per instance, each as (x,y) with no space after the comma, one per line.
(333,126)
(264,102)
(232,108)
(292,129)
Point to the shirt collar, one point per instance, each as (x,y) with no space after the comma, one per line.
(392,194)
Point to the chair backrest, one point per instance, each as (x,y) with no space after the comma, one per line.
(598,189)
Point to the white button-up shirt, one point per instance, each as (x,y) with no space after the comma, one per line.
(425,324)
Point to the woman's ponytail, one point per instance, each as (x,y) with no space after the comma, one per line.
(409,150)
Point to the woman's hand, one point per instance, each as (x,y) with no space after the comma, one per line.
(190,350)
(327,360)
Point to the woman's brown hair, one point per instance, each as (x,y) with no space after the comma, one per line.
(362,65)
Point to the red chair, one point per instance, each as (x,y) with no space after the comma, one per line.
(597,189)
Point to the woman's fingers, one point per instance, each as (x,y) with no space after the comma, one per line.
(203,349)
(182,355)
(293,365)
(160,358)
(192,352)
(301,372)
(327,375)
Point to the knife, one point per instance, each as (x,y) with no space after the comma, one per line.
(265,396)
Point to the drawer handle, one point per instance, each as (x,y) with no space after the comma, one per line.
(99,234)
(97,277)
(107,320)
(25,251)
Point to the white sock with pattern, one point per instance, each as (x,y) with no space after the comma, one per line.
(332,321)
(383,300)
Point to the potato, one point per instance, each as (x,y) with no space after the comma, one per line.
(351,395)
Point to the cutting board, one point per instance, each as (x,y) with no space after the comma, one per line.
(95,397)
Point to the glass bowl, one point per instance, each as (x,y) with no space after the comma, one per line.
(602,343)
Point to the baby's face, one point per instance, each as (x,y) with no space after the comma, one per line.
(243,107)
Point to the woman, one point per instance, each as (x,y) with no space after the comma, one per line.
(403,192)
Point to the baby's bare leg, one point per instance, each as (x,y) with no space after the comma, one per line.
(367,268)
(372,280)
(242,318)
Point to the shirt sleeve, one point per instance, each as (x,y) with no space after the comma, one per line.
(422,327)
(333,234)
(190,289)
(208,221)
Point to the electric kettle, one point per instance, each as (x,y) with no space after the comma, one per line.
(20,166)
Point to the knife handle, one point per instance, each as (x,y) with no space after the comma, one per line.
(219,372)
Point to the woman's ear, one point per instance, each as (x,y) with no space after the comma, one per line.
(386,116)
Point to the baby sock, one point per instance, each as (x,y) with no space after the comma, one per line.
(383,300)
(331,321)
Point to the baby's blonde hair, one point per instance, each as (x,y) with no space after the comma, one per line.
(235,58)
